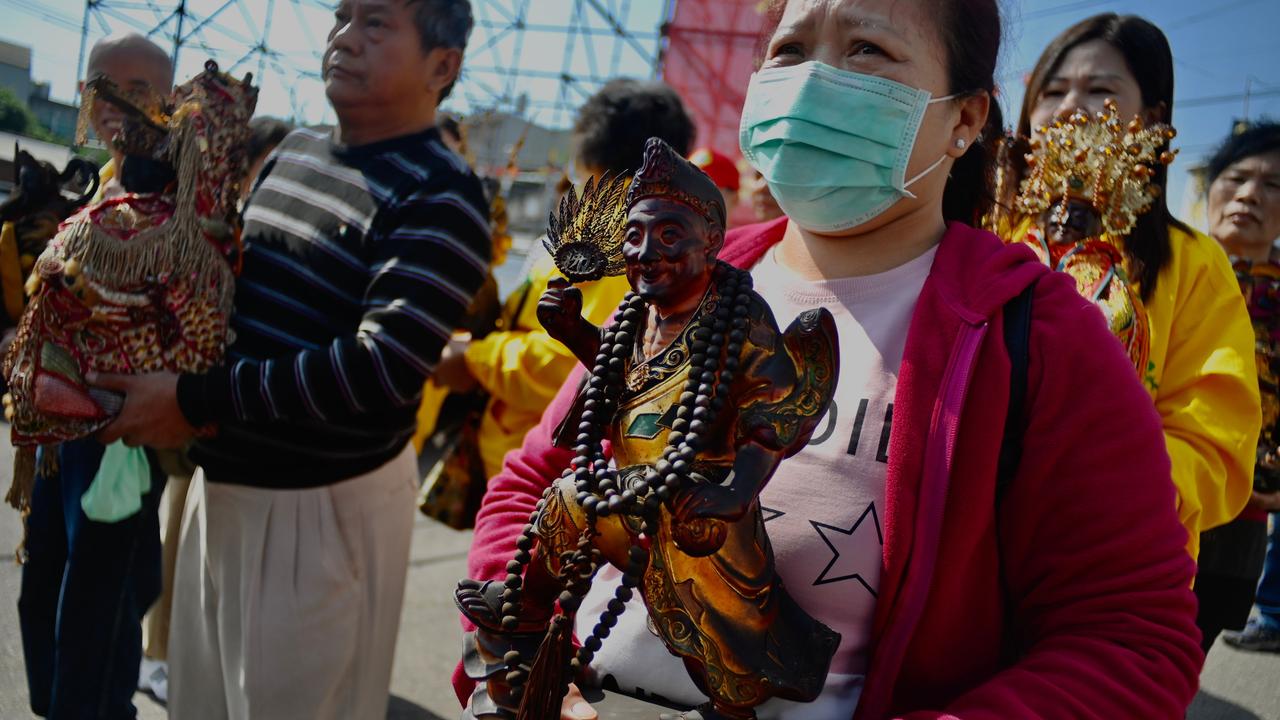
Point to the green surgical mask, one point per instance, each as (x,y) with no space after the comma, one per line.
(832,144)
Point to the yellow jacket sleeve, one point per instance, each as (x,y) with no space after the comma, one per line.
(433,397)
(1207,389)
(523,366)
(11,278)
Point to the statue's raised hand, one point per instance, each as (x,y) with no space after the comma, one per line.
(560,312)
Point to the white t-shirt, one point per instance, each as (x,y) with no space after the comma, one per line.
(822,508)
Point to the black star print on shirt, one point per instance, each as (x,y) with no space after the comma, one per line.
(770,513)
(851,559)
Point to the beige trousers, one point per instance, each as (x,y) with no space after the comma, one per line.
(287,602)
(155,629)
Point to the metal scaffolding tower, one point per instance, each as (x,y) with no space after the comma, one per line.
(538,60)
(546,62)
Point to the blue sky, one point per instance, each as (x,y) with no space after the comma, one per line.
(1219,46)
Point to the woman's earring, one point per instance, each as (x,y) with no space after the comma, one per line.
(960,143)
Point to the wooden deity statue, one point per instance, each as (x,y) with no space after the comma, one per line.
(142,282)
(1088,181)
(699,396)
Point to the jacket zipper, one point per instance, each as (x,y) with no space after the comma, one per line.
(937,477)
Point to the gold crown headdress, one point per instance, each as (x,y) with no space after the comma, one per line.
(584,234)
(1099,160)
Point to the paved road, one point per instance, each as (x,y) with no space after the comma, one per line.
(1237,686)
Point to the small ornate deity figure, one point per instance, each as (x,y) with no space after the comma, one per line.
(141,282)
(700,396)
(1088,181)
(30,217)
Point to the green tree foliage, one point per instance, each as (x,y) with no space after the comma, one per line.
(16,117)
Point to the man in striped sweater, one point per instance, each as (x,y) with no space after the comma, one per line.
(363,247)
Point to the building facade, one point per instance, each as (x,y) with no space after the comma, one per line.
(15,75)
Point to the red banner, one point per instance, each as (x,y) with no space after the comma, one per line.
(711,46)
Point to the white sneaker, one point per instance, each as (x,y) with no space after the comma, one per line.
(153,677)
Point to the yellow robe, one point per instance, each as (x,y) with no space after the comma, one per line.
(1203,380)
(521,367)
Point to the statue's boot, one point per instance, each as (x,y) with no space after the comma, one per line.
(559,528)
(481,602)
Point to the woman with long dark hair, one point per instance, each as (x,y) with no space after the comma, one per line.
(1200,371)
(985,513)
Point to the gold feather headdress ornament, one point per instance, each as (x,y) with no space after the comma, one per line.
(584,234)
(1100,160)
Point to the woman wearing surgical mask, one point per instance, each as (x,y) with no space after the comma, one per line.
(985,513)
(1201,372)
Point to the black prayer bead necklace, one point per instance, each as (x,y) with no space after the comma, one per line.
(715,347)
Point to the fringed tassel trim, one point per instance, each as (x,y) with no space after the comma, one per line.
(20,492)
(549,677)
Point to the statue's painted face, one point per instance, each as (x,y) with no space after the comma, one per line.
(1070,221)
(669,253)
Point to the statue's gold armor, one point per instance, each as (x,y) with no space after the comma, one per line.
(726,612)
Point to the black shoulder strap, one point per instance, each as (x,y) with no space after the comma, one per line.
(1017,341)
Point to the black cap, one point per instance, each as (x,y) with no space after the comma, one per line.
(666,174)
